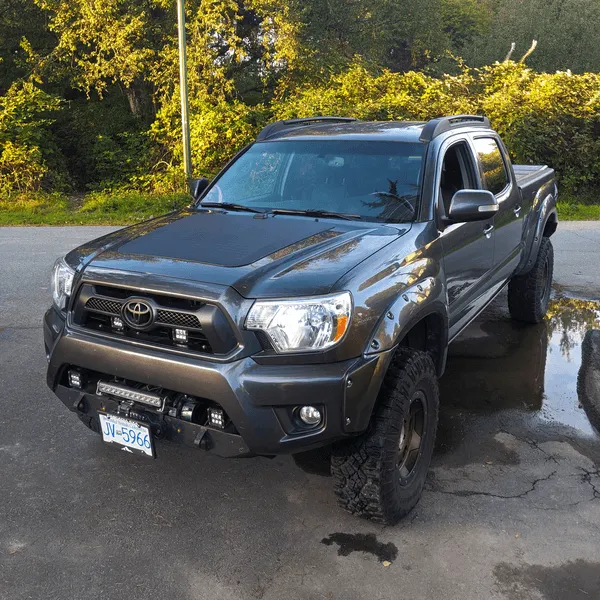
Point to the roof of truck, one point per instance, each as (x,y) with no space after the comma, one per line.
(405,131)
(344,128)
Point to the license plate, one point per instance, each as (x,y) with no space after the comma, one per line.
(131,435)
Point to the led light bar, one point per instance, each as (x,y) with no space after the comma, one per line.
(121,391)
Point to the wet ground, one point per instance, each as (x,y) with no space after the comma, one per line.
(511,508)
(522,378)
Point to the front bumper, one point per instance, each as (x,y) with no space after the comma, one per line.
(258,398)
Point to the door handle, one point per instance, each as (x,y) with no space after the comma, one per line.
(488,231)
(517,210)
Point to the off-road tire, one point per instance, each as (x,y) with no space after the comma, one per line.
(315,462)
(365,470)
(90,422)
(528,294)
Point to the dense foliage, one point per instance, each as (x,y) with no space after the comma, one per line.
(89,96)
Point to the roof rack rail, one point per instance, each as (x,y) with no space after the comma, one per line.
(440,125)
(279,126)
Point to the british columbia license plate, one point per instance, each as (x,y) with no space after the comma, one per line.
(131,435)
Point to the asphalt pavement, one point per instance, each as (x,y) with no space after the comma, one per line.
(511,508)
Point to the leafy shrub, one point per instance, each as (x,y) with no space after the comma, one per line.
(29,158)
(22,169)
(218,129)
(106,146)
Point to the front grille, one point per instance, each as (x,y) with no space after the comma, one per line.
(165,317)
(97,305)
(169,317)
(104,306)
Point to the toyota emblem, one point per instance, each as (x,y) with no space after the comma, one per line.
(138,314)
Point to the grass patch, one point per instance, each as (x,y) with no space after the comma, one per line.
(100,208)
(578,206)
(578,212)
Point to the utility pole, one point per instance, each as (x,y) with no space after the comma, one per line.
(183,87)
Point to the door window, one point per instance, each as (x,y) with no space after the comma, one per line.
(493,169)
(457,173)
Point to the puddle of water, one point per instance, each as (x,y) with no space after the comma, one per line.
(362,542)
(498,364)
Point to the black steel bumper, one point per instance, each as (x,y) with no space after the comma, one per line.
(257,397)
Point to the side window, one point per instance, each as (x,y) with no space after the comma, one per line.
(457,173)
(495,177)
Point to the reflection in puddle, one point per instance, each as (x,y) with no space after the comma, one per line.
(497,365)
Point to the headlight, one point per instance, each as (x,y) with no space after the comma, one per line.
(302,325)
(62,282)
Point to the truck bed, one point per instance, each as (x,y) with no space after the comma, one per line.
(528,174)
(531,178)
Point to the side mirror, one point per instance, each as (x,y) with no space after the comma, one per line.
(197,186)
(472,205)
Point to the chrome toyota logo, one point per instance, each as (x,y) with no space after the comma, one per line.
(138,314)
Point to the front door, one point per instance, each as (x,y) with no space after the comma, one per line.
(508,222)
(468,247)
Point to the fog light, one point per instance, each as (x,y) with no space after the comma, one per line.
(310,415)
(216,417)
(180,335)
(118,324)
(75,379)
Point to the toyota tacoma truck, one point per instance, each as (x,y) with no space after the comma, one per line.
(305,299)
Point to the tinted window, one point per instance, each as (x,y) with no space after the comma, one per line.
(495,176)
(457,170)
(376,180)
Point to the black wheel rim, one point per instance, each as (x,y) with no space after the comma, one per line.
(412,436)
(546,284)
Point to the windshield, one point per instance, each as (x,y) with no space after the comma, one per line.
(376,181)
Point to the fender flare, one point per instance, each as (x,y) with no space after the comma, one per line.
(546,212)
(423,299)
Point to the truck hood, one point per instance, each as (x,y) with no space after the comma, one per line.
(256,255)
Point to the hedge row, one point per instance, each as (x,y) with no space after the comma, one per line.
(543,118)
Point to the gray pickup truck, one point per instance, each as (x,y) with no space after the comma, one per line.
(305,300)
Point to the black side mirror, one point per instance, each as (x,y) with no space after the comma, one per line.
(197,186)
(472,205)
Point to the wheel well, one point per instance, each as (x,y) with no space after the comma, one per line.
(429,335)
(550,226)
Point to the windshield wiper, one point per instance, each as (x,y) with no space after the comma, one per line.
(230,206)
(314,212)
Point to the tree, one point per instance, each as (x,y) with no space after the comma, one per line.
(566,30)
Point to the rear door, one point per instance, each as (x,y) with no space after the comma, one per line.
(496,176)
(468,248)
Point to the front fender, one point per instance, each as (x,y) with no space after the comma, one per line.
(422,299)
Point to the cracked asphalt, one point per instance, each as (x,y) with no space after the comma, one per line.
(511,508)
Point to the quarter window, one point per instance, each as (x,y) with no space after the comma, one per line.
(495,177)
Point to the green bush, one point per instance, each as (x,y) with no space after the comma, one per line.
(29,157)
(107,147)
(218,129)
